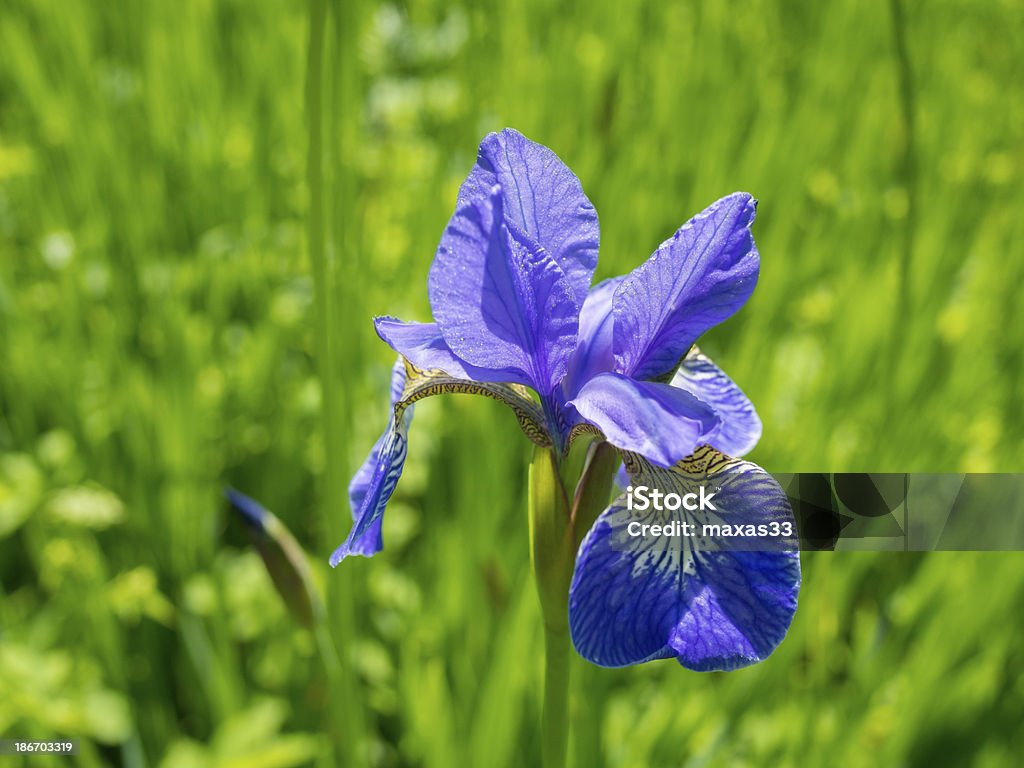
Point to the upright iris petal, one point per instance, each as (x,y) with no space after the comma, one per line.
(695,280)
(593,353)
(542,198)
(500,300)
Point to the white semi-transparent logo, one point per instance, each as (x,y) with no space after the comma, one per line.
(641,498)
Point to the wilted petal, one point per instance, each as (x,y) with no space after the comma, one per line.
(713,604)
(500,300)
(695,280)
(542,198)
(658,421)
(740,426)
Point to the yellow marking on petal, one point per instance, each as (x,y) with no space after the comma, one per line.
(420,384)
(705,460)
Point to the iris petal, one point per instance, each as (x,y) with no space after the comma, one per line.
(375,481)
(695,280)
(658,421)
(740,426)
(500,300)
(713,605)
(593,353)
(424,346)
(542,198)
(422,384)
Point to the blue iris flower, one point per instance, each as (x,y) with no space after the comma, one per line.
(516,319)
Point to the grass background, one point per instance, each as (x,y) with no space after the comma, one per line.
(158,340)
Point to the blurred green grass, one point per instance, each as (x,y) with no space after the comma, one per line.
(157,341)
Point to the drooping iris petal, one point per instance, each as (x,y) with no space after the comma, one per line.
(695,280)
(388,460)
(658,421)
(424,346)
(740,426)
(593,353)
(712,602)
(363,478)
(542,198)
(422,384)
(500,300)
(361,481)
(366,479)
(375,481)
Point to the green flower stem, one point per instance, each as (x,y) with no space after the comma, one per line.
(555,531)
(552,538)
(555,724)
